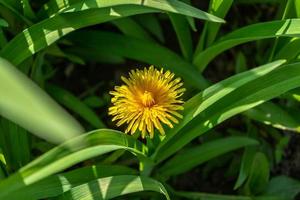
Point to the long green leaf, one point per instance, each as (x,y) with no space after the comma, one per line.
(173,6)
(76,105)
(151,23)
(271,114)
(24,103)
(141,50)
(72,152)
(290,50)
(131,28)
(208,196)
(114,186)
(284,187)
(182,29)
(197,155)
(211,95)
(282,28)
(84,14)
(14,136)
(210,30)
(56,185)
(258,179)
(245,166)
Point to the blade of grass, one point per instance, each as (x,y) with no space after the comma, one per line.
(173,6)
(281,28)
(114,186)
(182,29)
(16,12)
(284,187)
(258,179)
(208,151)
(271,114)
(24,103)
(58,184)
(210,30)
(290,51)
(131,28)
(247,159)
(15,137)
(76,105)
(151,23)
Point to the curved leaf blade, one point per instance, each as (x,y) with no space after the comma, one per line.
(69,153)
(76,105)
(24,103)
(203,153)
(282,28)
(56,185)
(114,186)
(272,114)
(166,5)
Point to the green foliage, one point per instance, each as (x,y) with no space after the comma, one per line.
(55,81)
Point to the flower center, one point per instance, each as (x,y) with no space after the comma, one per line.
(147,99)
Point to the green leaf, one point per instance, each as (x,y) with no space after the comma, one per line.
(210,30)
(141,50)
(58,184)
(76,105)
(24,103)
(56,51)
(258,177)
(284,187)
(14,137)
(69,153)
(281,147)
(241,63)
(114,186)
(182,29)
(290,50)
(83,14)
(14,8)
(151,23)
(271,114)
(27,10)
(182,134)
(166,5)
(207,196)
(3,172)
(247,159)
(282,28)
(3,23)
(94,101)
(207,151)
(131,28)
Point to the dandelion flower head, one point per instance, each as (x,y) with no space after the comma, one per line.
(148,98)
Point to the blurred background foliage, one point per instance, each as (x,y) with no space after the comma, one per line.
(60,59)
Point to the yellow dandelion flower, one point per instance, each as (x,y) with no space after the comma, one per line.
(147,98)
